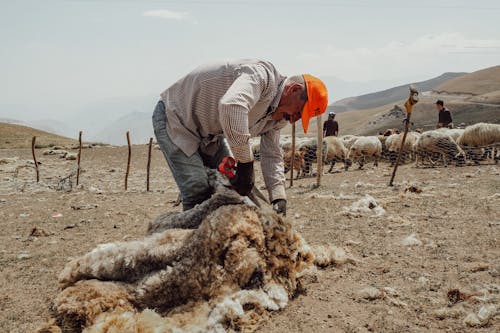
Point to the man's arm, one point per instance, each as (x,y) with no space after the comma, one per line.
(272,164)
(234,106)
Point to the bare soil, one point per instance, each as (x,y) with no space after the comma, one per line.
(453,212)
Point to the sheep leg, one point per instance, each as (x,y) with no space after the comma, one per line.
(332,164)
(124,261)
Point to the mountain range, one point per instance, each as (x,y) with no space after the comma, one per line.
(472,97)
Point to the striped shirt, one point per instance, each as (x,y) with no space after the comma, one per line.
(234,99)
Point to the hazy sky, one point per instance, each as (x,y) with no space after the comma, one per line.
(59,57)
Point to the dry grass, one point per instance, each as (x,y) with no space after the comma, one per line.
(18,136)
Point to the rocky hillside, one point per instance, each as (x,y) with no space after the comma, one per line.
(388,96)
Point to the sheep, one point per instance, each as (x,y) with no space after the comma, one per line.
(479,136)
(390,131)
(438,143)
(394,145)
(387,141)
(309,147)
(238,262)
(335,150)
(367,146)
(455,133)
(348,140)
(299,163)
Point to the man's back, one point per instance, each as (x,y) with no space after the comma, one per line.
(331,127)
(445,117)
(193,104)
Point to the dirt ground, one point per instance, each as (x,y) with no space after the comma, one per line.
(453,214)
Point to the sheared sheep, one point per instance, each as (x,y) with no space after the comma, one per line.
(394,145)
(438,143)
(239,262)
(483,136)
(336,151)
(363,147)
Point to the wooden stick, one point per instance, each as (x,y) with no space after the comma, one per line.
(34,158)
(293,154)
(128,161)
(412,100)
(149,163)
(79,155)
(319,153)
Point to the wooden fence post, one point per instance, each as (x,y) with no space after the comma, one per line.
(128,161)
(149,163)
(34,158)
(79,156)
(319,152)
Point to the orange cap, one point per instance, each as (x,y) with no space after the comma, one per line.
(317,99)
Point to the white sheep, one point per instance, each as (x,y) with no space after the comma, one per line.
(349,139)
(438,143)
(393,144)
(455,133)
(336,151)
(481,136)
(363,147)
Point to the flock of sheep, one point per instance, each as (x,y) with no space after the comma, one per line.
(474,143)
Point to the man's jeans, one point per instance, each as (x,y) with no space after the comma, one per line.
(189,171)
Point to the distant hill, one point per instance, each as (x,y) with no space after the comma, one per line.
(47,125)
(388,96)
(472,98)
(477,83)
(19,136)
(138,123)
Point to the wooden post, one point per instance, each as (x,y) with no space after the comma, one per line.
(319,152)
(128,161)
(149,163)
(293,154)
(79,156)
(412,100)
(34,158)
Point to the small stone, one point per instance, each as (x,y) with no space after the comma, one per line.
(369,293)
(390,291)
(477,267)
(423,283)
(448,312)
(84,206)
(24,215)
(411,240)
(95,190)
(472,320)
(23,255)
(486,313)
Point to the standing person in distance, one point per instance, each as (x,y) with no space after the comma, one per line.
(331,126)
(444,117)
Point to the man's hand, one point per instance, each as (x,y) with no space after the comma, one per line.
(279,206)
(244,179)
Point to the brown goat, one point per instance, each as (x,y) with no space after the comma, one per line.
(299,163)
